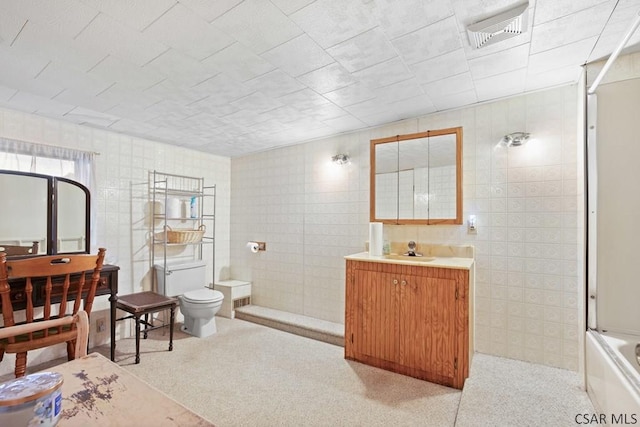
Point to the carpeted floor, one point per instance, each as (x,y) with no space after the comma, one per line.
(252,375)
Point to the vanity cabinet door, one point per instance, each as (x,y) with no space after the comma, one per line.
(427,323)
(375,320)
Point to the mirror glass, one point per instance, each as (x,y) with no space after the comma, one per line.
(416,178)
(42,212)
(71,218)
(23,218)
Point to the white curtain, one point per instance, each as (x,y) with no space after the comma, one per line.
(51,160)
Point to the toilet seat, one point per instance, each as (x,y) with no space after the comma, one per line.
(203,296)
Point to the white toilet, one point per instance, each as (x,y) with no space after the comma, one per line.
(198,303)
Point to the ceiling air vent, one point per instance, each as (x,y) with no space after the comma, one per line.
(500,27)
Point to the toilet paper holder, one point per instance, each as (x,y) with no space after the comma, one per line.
(257,246)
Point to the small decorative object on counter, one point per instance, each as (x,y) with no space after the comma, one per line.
(35,399)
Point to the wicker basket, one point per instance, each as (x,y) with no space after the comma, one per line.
(184,235)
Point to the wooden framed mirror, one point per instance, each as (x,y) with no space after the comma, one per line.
(417,178)
(43,215)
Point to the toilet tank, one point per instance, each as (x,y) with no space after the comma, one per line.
(179,278)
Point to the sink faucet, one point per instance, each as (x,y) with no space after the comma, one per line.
(412,249)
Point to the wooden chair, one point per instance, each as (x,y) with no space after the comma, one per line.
(11,250)
(65,280)
(80,320)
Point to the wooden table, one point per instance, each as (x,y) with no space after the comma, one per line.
(97,392)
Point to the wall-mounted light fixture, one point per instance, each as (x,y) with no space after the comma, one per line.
(515,139)
(341,159)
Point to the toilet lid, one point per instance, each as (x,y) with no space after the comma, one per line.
(203,295)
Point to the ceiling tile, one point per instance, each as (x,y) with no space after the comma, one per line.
(257,24)
(132,127)
(23,65)
(172,91)
(353,94)
(203,121)
(328,78)
(447,86)
(256,102)
(41,41)
(344,123)
(571,54)
(330,22)
(222,89)
(10,26)
(405,109)
(438,68)
(33,103)
(290,6)
(398,91)
(326,112)
(211,105)
(83,115)
(384,74)
(455,100)
(286,114)
(298,56)
(66,17)
(119,94)
(367,108)
(557,76)
(127,74)
(303,99)
(68,96)
(501,85)
(275,84)
(500,62)
(136,14)
(51,108)
(210,9)
(132,112)
(245,118)
(20,76)
(364,50)
(550,10)
(6,93)
(181,68)
(183,30)
(617,27)
(429,42)
(397,21)
(57,74)
(569,29)
(238,61)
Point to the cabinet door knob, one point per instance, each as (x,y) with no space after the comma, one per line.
(395,281)
(404,282)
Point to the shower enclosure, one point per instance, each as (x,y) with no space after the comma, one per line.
(613,272)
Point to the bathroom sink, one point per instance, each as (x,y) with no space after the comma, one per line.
(409,258)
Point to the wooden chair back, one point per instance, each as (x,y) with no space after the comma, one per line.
(69,280)
(11,250)
(80,319)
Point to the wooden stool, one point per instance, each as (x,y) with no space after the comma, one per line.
(144,303)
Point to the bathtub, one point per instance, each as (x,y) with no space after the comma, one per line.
(613,373)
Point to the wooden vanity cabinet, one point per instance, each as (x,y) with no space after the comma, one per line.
(413,320)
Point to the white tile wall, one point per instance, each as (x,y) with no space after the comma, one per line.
(527,201)
(120,197)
